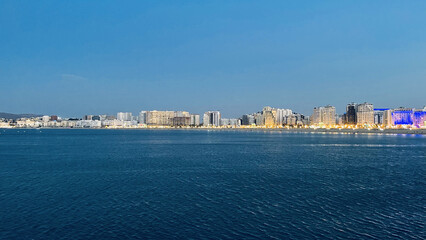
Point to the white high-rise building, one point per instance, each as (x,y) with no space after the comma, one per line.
(211,118)
(142,117)
(365,113)
(195,119)
(124,116)
(281,114)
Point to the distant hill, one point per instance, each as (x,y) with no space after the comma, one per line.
(16,116)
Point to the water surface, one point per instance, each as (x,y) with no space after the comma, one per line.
(172,184)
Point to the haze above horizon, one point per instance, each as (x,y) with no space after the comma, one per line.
(101,57)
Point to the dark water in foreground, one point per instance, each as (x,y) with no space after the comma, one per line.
(102,184)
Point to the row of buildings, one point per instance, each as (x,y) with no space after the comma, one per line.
(363,115)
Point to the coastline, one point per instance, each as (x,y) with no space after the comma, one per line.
(293,130)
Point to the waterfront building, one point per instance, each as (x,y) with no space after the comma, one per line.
(67,124)
(53,118)
(103,117)
(296,119)
(4,124)
(224,122)
(181,121)
(268,118)
(365,114)
(291,120)
(182,114)
(403,116)
(230,122)
(324,115)
(45,118)
(387,118)
(124,116)
(379,115)
(28,123)
(235,122)
(248,119)
(341,119)
(142,117)
(258,119)
(87,117)
(350,115)
(112,123)
(165,118)
(195,120)
(420,118)
(281,114)
(211,118)
(160,118)
(88,124)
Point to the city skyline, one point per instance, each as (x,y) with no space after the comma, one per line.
(81,57)
(309,113)
(357,115)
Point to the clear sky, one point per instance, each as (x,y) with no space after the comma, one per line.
(73,58)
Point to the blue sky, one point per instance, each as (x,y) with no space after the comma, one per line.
(73,58)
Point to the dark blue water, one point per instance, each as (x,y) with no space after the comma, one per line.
(142,184)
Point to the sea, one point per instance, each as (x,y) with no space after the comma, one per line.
(210,184)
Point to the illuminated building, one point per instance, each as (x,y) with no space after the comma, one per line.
(365,114)
(420,118)
(324,115)
(166,118)
(341,119)
(387,118)
(211,118)
(296,119)
(268,118)
(403,116)
(379,115)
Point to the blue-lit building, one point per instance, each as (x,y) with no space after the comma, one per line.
(402,117)
(412,117)
(419,118)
